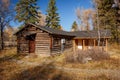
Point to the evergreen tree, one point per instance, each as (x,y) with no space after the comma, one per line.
(74,26)
(52,18)
(60,27)
(107,17)
(27,11)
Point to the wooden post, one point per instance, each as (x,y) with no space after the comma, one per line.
(94,43)
(74,46)
(83,44)
(51,44)
(106,41)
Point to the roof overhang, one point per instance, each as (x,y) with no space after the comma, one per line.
(92,38)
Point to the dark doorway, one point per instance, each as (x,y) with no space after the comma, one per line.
(32,44)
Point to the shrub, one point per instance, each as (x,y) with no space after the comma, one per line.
(98,54)
(84,56)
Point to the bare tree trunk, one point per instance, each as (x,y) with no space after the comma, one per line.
(2,37)
(98,28)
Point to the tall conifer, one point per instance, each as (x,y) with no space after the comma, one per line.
(74,26)
(107,18)
(52,18)
(26,11)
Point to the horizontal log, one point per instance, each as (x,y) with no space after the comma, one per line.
(56,47)
(42,40)
(45,34)
(42,44)
(43,50)
(46,47)
(56,50)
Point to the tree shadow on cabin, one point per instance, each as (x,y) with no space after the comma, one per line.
(43,72)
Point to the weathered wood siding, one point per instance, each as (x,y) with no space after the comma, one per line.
(23,41)
(22,44)
(68,43)
(57,45)
(45,43)
(42,42)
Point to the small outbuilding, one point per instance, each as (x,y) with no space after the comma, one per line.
(42,40)
(34,39)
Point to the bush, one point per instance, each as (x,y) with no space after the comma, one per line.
(98,54)
(84,56)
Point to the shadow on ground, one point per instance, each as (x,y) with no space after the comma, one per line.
(44,72)
(11,57)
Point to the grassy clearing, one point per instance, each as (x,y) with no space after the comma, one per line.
(12,63)
(16,67)
(104,64)
(20,67)
(112,63)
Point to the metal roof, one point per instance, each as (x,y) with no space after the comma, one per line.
(92,34)
(76,34)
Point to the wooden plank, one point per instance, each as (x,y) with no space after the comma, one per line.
(83,44)
(94,43)
(51,42)
(42,40)
(45,37)
(74,49)
(42,44)
(106,44)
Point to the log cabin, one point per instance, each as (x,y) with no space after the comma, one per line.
(34,39)
(42,40)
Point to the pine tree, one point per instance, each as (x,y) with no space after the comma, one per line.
(74,26)
(60,27)
(52,18)
(27,11)
(107,17)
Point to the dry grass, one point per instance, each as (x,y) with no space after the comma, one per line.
(114,50)
(104,64)
(19,67)
(40,73)
(81,56)
(37,68)
(110,63)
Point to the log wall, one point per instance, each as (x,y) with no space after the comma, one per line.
(57,45)
(68,43)
(45,43)
(23,41)
(42,42)
(22,44)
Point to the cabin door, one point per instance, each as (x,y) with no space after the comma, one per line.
(32,45)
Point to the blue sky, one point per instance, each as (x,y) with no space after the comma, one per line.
(66,10)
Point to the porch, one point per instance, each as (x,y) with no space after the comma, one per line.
(86,44)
